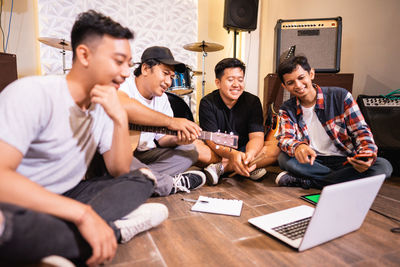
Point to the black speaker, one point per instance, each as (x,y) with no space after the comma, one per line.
(382,115)
(240,15)
(317,39)
(8,69)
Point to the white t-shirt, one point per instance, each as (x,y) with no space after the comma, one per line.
(319,139)
(57,139)
(158,103)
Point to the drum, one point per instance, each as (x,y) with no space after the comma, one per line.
(181,80)
(179,107)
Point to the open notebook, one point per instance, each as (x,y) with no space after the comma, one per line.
(231,207)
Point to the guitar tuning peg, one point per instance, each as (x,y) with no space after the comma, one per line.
(218,131)
(231,133)
(217,147)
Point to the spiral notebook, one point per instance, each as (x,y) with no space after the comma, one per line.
(231,207)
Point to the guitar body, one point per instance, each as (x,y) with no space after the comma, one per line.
(273,124)
(273,128)
(134,137)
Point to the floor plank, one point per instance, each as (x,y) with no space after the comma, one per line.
(200,239)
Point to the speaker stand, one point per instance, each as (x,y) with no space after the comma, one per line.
(235,33)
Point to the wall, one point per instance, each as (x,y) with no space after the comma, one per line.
(23,35)
(369,46)
(370,38)
(211,20)
(170,23)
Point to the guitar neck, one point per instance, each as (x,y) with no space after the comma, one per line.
(219,138)
(204,135)
(151,129)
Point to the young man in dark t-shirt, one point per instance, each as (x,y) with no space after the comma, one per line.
(232,110)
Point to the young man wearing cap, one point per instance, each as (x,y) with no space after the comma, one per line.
(50,128)
(323,135)
(231,109)
(167,156)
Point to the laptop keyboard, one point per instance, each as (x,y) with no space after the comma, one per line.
(293,230)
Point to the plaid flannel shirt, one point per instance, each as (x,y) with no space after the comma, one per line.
(340,116)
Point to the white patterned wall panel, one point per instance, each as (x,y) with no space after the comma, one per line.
(171,23)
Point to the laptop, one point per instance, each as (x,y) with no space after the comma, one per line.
(341,209)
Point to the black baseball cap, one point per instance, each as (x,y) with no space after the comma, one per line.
(164,55)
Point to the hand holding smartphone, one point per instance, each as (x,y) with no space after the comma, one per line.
(363,157)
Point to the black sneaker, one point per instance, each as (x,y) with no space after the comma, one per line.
(285,179)
(185,181)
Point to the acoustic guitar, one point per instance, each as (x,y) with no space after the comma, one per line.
(228,140)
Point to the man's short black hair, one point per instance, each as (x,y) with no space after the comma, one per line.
(91,24)
(228,63)
(290,64)
(149,62)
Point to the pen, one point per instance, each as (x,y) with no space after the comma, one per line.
(194,200)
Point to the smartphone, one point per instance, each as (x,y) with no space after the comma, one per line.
(311,198)
(363,157)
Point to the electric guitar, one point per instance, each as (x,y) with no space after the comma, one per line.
(272,128)
(273,116)
(223,139)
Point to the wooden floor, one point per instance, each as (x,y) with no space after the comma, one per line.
(199,239)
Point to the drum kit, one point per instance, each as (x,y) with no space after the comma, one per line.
(180,84)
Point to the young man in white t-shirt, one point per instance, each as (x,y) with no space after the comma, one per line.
(50,128)
(168,156)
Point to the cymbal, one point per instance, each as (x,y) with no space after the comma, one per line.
(197,72)
(55,42)
(203,46)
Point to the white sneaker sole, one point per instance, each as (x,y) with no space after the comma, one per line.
(259,175)
(211,176)
(279,177)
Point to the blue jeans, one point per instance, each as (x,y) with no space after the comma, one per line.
(30,236)
(328,170)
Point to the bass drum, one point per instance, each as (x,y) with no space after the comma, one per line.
(181,80)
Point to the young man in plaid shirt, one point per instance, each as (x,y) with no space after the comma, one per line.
(323,135)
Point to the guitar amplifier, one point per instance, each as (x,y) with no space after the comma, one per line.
(383,116)
(317,39)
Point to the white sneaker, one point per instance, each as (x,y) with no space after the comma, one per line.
(185,181)
(143,218)
(56,261)
(213,172)
(257,174)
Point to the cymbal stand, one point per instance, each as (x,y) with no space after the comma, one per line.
(203,81)
(63,56)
